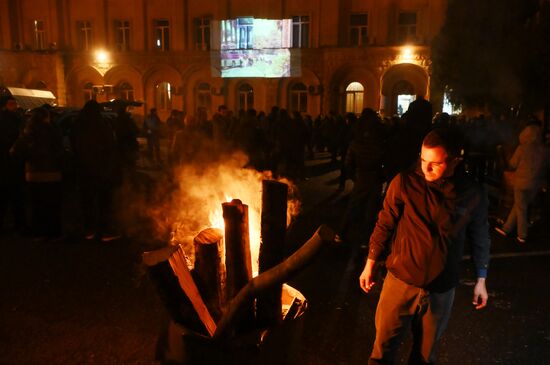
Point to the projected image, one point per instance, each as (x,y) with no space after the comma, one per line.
(256,63)
(250,47)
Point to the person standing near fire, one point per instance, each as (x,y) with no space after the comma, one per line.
(428,214)
(151,129)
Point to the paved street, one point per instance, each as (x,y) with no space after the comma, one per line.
(82,303)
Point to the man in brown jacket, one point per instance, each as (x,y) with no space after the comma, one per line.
(427,216)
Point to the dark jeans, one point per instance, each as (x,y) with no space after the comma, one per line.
(45,201)
(402,306)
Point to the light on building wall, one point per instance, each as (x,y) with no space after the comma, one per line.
(101,56)
(407,53)
(101,61)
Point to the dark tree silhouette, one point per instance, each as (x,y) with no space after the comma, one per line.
(494,54)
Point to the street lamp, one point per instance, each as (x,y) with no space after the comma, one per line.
(101,56)
(101,61)
(407,54)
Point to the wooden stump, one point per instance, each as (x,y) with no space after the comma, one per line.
(210,269)
(237,247)
(273,231)
(238,261)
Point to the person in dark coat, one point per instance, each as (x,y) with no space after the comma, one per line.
(41,147)
(98,170)
(126,133)
(364,165)
(11,169)
(406,141)
(151,129)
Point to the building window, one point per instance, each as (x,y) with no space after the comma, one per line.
(354,98)
(300,31)
(244,33)
(204,96)
(122,35)
(39,34)
(164,96)
(162,35)
(406,31)
(84,35)
(246,97)
(358,29)
(298,98)
(88,92)
(202,33)
(125,91)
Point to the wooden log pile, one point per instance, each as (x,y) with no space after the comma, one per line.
(218,298)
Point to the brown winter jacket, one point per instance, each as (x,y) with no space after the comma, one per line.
(424,225)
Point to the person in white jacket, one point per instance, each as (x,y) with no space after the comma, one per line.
(530,163)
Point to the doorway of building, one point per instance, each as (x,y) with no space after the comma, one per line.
(403,92)
(403,102)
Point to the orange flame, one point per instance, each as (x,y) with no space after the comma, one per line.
(204,189)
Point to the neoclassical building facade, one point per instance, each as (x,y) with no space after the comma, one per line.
(352,53)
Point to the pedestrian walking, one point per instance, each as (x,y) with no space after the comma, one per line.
(529,163)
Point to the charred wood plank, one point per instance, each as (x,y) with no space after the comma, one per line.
(168,269)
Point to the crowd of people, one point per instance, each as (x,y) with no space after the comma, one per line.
(419,186)
(39,158)
(100,150)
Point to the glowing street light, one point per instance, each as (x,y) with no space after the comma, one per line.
(407,53)
(101,56)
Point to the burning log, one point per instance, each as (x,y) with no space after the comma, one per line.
(168,268)
(238,261)
(273,231)
(210,269)
(237,247)
(274,276)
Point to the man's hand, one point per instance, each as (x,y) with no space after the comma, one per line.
(366,280)
(480,294)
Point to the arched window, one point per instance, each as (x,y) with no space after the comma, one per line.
(164,96)
(204,96)
(88,92)
(298,98)
(354,98)
(125,91)
(246,97)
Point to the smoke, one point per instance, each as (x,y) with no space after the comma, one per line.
(190,200)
